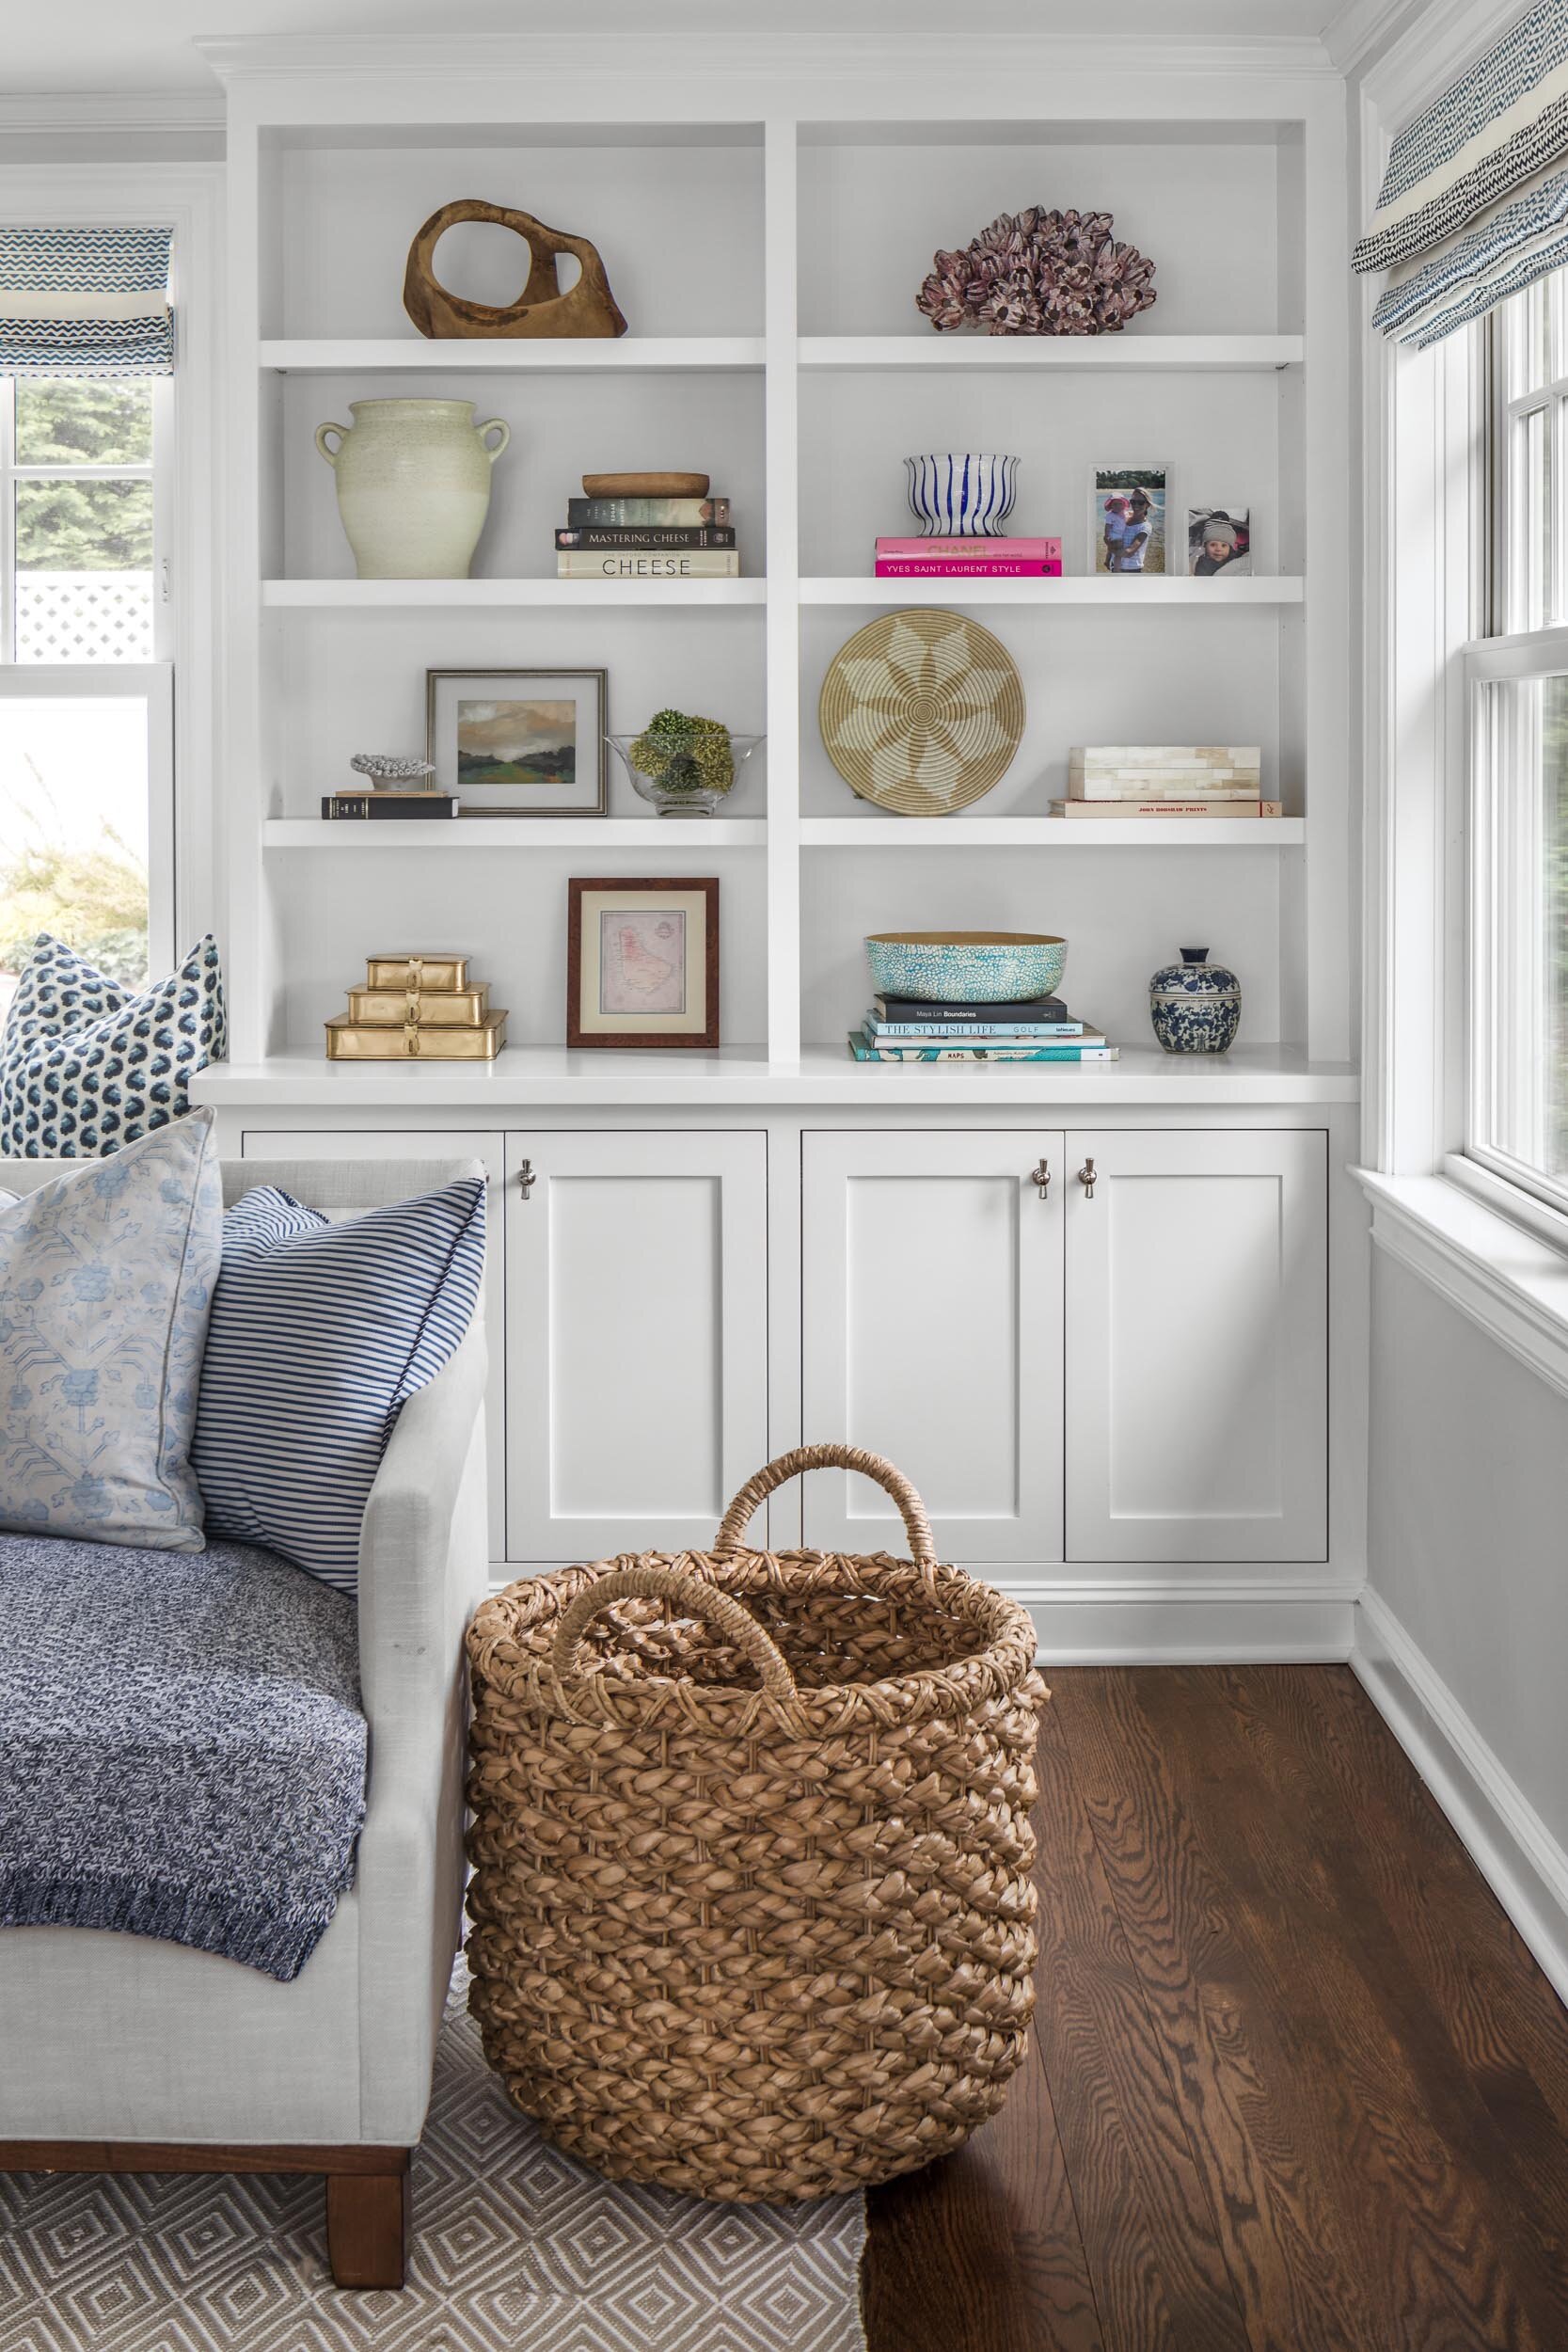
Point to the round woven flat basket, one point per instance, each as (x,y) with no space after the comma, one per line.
(921,712)
(752,1903)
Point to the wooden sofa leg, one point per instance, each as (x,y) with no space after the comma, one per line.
(366,2227)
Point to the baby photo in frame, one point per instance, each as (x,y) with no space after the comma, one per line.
(642,962)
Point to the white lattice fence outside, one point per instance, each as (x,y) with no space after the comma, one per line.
(84,616)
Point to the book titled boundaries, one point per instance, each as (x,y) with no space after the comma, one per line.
(928,1009)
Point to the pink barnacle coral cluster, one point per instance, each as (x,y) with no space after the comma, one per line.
(1040,273)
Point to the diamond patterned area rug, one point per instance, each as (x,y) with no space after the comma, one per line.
(516,2249)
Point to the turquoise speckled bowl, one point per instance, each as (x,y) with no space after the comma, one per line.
(966,967)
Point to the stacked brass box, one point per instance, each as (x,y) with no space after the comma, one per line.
(416,1009)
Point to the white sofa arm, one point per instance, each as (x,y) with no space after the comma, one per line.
(423,1569)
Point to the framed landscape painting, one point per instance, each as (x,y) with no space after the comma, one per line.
(642,962)
(518,743)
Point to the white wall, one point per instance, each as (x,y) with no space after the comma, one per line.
(1469,1533)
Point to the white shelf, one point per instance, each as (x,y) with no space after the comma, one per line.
(472,595)
(625,355)
(1009,354)
(1058,833)
(528,1074)
(1080,588)
(650,836)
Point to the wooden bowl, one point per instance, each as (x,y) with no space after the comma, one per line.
(645,485)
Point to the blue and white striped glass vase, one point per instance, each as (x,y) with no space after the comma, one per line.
(961,494)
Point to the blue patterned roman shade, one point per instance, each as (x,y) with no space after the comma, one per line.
(86,302)
(1474,203)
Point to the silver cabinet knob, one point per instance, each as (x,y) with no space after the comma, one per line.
(1040,1178)
(527,1179)
(1087,1178)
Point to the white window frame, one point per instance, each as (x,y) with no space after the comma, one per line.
(186,197)
(152,684)
(157,470)
(1492,1247)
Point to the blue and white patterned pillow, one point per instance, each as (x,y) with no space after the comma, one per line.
(106,1278)
(320,1333)
(87,1066)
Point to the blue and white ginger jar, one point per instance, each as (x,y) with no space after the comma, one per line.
(1196,1006)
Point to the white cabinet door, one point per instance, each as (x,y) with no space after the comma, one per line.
(637,1338)
(933,1335)
(1198,1346)
(428,1143)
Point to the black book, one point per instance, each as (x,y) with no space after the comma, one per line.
(646,538)
(388,804)
(983,1016)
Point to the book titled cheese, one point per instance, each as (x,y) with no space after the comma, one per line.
(687,563)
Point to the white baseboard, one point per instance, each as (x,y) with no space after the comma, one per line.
(1171,1621)
(1506,1839)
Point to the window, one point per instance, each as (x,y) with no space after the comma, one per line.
(1517,1112)
(85,783)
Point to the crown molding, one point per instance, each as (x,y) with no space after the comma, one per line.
(816,37)
(1358,26)
(64,111)
(1434,42)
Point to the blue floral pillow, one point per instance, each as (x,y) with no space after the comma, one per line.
(106,1280)
(87,1066)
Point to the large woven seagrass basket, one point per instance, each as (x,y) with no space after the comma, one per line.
(752,1912)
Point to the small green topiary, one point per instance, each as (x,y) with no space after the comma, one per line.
(685,754)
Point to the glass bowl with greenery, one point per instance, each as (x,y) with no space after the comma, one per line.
(684,766)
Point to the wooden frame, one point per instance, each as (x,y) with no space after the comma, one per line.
(369,2202)
(705,960)
(598,807)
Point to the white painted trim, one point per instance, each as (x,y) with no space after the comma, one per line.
(1437,41)
(188,197)
(61,112)
(832,39)
(1506,1280)
(1506,1839)
(1358,26)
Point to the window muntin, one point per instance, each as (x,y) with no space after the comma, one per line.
(1517,961)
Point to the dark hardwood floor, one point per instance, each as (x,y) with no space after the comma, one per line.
(1295,2085)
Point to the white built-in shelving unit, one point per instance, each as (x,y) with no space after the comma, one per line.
(766,236)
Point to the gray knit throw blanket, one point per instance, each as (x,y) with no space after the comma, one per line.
(181,1750)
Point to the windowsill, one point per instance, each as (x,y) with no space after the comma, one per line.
(1511,1281)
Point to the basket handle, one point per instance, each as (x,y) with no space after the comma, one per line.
(922,1549)
(696,1600)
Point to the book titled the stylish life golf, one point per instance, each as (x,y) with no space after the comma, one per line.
(695,563)
(862,1047)
(875,1028)
(638,514)
(646,538)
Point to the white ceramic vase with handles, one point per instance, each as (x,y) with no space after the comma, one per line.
(413,484)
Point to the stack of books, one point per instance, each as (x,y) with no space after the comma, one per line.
(1040,1028)
(1166,780)
(418,1008)
(647,538)
(969,559)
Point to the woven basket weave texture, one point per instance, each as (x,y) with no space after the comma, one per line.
(752,1908)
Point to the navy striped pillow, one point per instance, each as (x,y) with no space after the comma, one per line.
(319,1335)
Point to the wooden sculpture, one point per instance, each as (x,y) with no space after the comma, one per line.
(541,309)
